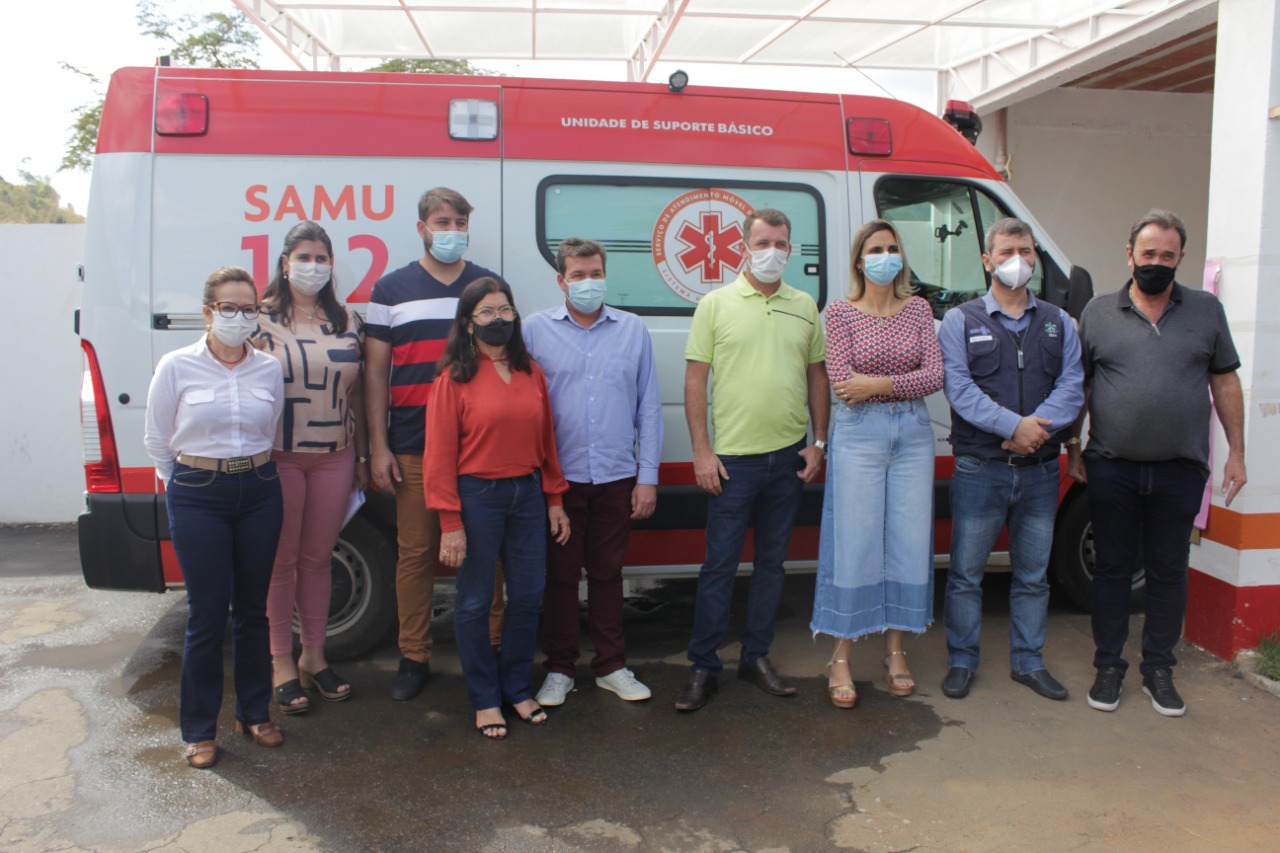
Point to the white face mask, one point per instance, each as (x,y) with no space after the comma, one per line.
(1013,273)
(233,331)
(309,278)
(447,246)
(767,265)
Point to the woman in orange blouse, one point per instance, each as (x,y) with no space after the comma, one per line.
(492,473)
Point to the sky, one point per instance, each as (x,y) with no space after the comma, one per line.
(38,97)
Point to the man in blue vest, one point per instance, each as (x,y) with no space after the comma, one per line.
(1015,384)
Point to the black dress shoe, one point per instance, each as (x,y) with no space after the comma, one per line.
(956,684)
(1043,683)
(699,688)
(762,674)
(410,679)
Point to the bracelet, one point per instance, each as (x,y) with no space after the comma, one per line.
(362,460)
(1074,441)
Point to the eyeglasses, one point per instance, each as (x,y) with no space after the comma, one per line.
(486,314)
(231,309)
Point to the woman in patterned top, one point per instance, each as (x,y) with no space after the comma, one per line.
(321,449)
(875,557)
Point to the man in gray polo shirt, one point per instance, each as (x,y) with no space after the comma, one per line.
(1152,352)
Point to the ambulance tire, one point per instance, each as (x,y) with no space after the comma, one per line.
(362,607)
(1072,559)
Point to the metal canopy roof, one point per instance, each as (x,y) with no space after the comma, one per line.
(987,51)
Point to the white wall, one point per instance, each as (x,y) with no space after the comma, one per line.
(1089,163)
(43,472)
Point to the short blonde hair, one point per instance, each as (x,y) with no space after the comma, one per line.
(224,275)
(902,286)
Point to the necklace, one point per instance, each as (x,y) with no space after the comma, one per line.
(244,353)
(311,315)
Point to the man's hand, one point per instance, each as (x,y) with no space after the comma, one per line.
(384,470)
(1029,436)
(644,500)
(812,457)
(453,548)
(559,521)
(709,471)
(1075,464)
(1233,477)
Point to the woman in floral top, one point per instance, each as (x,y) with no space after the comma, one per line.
(875,558)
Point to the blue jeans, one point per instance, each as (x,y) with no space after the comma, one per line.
(225,528)
(506,518)
(766,484)
(1142,515)
(875,555)
(985,496)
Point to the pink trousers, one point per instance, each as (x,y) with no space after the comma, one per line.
(316,488)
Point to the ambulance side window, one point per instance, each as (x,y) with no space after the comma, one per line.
(942,224)
(670,241)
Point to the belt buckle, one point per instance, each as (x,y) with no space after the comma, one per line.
(1013,461)
(239,465)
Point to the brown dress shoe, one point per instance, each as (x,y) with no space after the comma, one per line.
(201,755)
(762,674)
(701,685)
(263,734)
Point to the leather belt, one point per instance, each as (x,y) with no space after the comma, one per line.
(238,465)
(1019,461)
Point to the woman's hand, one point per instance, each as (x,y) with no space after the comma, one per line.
(453,547)
(859,387)
(362,476)
(559,524)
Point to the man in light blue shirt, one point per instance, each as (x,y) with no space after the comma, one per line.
(1015,384)
(604,402)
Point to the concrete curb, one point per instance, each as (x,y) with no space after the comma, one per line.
(1246,663)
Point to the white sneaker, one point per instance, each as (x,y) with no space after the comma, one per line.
(554,689)
(623,682)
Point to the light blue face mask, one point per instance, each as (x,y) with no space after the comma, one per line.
(587,294)
(882,269)
(448,246)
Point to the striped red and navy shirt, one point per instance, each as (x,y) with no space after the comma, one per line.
(413,311)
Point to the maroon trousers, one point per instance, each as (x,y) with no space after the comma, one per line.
(599,528)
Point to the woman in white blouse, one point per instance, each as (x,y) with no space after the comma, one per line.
(211,419)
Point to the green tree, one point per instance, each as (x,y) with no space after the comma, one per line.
(431,66)
(211,40)
(32,201)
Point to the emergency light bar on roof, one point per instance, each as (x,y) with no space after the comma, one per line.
(975,45)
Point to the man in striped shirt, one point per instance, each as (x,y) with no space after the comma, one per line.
(410,314)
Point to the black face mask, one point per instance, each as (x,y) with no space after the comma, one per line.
(1153,278)
(497,333)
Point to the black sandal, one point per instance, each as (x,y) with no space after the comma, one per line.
(328,682)
(537,717)
(492,727)
(286,696)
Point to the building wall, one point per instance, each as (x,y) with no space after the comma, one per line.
(1089,163)
(40,455)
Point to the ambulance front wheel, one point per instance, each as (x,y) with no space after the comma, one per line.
(362,606)
(1073,553)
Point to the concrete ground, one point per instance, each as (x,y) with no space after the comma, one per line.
(89,749)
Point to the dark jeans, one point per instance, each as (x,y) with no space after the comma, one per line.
(1142,514)
(765,483)
(225,528)
(506,518)
(599,529)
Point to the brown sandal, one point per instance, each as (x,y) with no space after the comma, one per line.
(833,689)
(201,755)
(902,684)
(263,734)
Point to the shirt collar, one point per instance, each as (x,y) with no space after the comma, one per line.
(743,288)
(561,312)
(992,306)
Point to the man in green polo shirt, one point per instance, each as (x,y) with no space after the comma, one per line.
(760,341)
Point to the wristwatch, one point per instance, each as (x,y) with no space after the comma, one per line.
(821,445)
(1074,441)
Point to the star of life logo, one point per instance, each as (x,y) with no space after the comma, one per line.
(697,242)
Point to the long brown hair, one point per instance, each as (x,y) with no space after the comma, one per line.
(460,350)
(279,296)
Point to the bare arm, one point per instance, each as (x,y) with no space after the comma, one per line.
(819,414)
(1075,458)
(706,465)
(377,373)
(1228,399)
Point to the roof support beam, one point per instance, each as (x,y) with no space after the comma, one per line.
(307,50)
(649,50)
